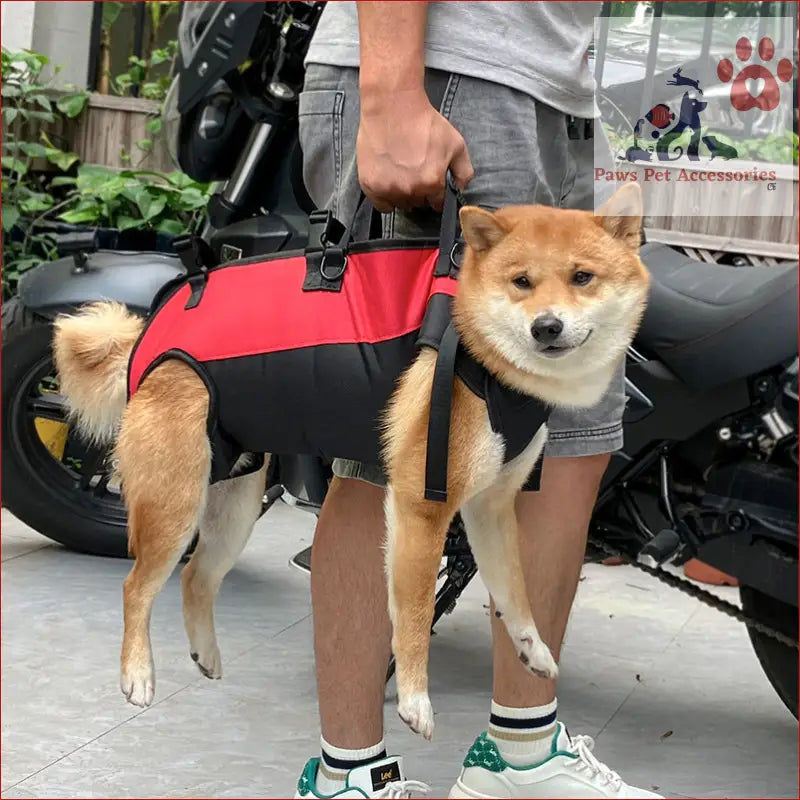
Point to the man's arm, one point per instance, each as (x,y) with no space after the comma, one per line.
(404,145)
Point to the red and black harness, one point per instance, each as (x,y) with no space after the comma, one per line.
(300,351)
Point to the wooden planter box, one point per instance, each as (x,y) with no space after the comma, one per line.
(679,219)
(109,124)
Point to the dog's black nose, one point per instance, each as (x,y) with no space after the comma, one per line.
(547,328)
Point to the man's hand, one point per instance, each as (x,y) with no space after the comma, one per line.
(404,146)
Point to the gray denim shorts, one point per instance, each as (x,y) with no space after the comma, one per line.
(521,152)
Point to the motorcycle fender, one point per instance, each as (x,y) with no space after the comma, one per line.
(131,278)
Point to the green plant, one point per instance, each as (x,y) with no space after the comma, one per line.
(26,186)
(170,203)
(43,183)
(139,74)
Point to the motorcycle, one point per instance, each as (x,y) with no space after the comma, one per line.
(709,469)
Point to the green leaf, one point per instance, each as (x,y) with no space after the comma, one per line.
(37,201)
(152,206)
(14,164)
(155,14)
(63,180)
(171,227)
(10,217)
(145,144)
(10,114)
(72,104)
(44,116)
(10,90)
(61,159)
(33,149)
(125,223)
(75,217)
(41,100)
(192,198)
(26,263)
(111,13)
(154,126)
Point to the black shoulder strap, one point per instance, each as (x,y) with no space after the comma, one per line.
(437,449)
(450,231)
(197,258)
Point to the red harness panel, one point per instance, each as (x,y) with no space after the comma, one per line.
(260,307)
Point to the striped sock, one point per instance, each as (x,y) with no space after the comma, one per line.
(336,762)
(524,736)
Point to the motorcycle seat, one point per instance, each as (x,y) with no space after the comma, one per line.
(711,323)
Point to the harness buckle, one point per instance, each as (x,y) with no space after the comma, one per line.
(197,258)
(323,230)
(325,258)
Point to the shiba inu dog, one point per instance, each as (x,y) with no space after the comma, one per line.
(548,301)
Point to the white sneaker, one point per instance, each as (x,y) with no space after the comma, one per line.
(382,778)
(570,771)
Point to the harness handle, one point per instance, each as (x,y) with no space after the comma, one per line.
(449,232)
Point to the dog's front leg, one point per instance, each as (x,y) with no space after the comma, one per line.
(491,523)
(415,534)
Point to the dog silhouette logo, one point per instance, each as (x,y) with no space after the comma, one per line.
(656,134)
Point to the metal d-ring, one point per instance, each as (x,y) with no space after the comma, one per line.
(334,276)
(457,254)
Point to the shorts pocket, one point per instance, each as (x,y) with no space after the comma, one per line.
(320,114)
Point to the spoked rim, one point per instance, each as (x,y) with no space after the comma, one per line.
(81,478)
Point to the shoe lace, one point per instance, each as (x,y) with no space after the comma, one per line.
(403,789)
(582,747)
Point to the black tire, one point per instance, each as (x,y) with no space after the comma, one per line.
(43,491)
(779,661)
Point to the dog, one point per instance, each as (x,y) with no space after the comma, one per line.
(548,301)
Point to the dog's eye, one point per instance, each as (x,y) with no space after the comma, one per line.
(522,282)
(581,278)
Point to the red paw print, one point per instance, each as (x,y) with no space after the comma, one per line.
(767,95)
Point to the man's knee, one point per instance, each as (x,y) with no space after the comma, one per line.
(569,488)
(575,472)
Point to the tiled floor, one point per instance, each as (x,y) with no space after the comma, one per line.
(671,689)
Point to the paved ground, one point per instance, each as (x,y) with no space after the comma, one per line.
(671,690)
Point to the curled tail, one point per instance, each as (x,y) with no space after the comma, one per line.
(91,350)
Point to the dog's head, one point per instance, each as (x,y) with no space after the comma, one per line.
(548,295)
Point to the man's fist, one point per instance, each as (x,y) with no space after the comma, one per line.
(404,149)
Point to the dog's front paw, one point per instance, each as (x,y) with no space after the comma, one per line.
(417,712)
(536,656)
(138,684)
(209,662)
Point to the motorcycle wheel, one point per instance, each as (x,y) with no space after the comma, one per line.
(52,481)
(778,661)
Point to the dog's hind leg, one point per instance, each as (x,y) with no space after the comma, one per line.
(232,508)
(415,534)
(164,463)
(491,523)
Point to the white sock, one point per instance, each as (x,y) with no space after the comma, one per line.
(336,762)
(524,736)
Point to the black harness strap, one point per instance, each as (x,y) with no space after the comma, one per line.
(325,256)
(450,231)
(197,258)
(437,450)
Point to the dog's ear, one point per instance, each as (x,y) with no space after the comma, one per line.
(482,229)
(621,215)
